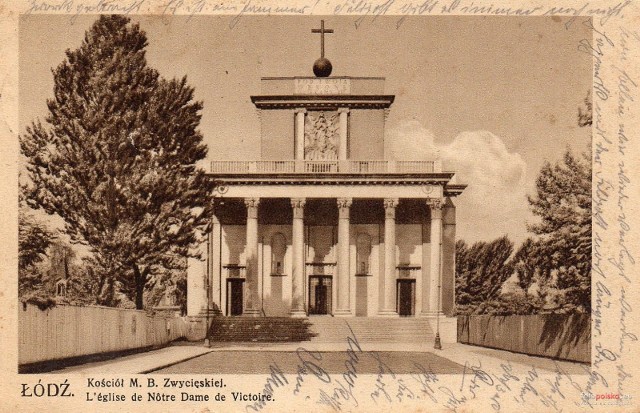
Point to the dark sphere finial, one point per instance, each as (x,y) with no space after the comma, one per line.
(322,67)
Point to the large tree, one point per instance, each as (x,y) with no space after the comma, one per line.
(563,204)
(481,269)
(116,159)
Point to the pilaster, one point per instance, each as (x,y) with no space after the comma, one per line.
(214,264)
(343,145)
(299,136)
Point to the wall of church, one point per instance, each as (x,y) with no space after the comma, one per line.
(196,292)
(409,252)
(448,257)
(366,134)
(234,239)
(275,269)
(364,253)
(277,130)
(409,244)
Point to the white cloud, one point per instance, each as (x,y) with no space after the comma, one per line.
(495,202)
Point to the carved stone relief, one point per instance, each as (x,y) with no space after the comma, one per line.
(321,136)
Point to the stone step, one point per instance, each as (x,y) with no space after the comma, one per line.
(386,330)
(259,329)
(320,329)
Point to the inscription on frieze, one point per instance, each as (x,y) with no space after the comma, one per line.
(319,86)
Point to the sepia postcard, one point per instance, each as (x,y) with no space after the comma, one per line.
(338,206)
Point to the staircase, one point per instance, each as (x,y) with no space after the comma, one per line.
(320,329)
(259,329)
(371,330)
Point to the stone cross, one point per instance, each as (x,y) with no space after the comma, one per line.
(322,31)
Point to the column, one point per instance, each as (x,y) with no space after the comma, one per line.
(299,138)
(435,204)
(252,302)
(389,303)
(343,305)
(297,274)
(214,265)
(343,144)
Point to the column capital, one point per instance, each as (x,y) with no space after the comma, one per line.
(252,207)
(343,207)
(299,110)
(252,202)
(298,202)
(390,205)
(343,110)
(436,205)
(298,207)
(344,202)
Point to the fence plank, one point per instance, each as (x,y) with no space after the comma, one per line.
(562,336)
(67,331)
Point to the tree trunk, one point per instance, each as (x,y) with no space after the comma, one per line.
(140,281)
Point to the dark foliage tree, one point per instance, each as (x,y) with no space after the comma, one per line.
(117,159)
(481,269)
(531,263)
(33,240)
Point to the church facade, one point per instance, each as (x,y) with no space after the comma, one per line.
(326,223)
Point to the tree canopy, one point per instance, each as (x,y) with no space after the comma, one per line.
(116,159)
(481,269)
(563,203)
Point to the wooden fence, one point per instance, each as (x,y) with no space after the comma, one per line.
(65,331)
(561,336)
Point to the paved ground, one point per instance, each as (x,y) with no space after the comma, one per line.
(238,358)
(258,362)
(139,363)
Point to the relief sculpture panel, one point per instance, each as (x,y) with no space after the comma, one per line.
(321,136)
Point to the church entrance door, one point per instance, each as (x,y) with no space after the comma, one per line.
(235,288)
(406,297)
(320,294)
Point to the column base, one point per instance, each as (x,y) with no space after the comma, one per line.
(297,314)
(251,313)
(388,313)
(431,314)
(342,313)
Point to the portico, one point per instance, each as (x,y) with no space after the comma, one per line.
(314,254)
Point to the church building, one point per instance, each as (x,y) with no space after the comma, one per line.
(325,223)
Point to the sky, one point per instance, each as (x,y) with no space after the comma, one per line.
(495,97)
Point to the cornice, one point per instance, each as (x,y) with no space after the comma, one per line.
(322,101)
(342,179)
(452,190)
